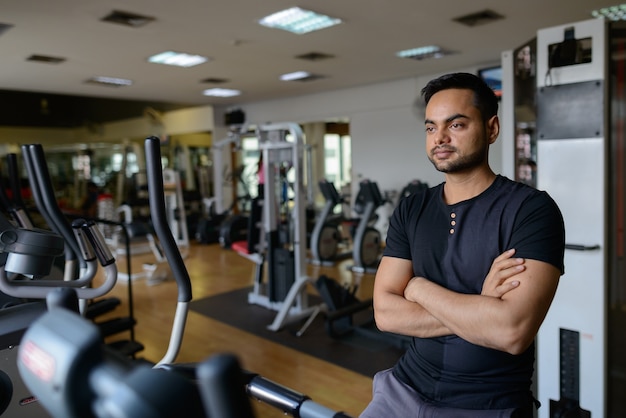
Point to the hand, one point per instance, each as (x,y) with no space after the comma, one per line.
(411,284)
(504,267)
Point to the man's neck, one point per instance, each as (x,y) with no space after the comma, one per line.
(464,186)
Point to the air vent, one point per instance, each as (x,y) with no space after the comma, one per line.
(46,59)
(315,56)
(214,80)
(127,19)
(4,27)
(479,18)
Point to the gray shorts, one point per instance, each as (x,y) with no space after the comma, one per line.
(392,398)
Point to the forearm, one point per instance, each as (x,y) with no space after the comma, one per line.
(394,313)
(481,320)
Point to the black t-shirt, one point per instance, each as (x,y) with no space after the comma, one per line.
(454,246)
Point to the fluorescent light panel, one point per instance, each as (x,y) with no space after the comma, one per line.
(219,92)
(110,81)
(615,13)
(298,21)
(423,52)
(297,75)
(179,59)
(301,76)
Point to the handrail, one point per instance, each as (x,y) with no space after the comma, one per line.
(581,247)
(156,192)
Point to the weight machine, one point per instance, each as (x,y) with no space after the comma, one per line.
(234,137)
(558,102)
(231,225)
(286,289)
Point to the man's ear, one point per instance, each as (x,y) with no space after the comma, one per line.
(493,128)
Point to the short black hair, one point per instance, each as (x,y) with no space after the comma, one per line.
(485,98)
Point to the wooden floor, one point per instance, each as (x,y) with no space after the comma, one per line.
(216,270)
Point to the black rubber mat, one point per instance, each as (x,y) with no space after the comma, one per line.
(360,352)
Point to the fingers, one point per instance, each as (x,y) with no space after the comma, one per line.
(506,287)
(505,263)
(503,268)
(510,268)
(504,255)
(499,283)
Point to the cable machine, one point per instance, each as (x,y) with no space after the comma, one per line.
(219,202)
(286,290)
(570,108)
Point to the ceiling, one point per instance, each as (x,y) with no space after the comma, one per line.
(249,57)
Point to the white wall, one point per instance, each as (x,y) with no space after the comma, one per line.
(388,147)
(387,132)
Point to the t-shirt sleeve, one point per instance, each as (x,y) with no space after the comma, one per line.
(397,242)
(539,231)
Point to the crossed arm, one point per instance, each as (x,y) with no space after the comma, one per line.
(506,315)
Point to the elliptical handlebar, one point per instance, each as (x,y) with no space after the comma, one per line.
(330,193)
(156,192)
(158,216)
(34,251)
(41,185)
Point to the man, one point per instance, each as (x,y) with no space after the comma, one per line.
(470,269)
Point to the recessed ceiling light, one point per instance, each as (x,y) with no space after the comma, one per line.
(299,21)
(295,76)
(110,81)
(300,76)
(218,92)
(423,52)
(179,59)
(615,13)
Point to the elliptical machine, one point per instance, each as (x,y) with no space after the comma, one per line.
(414,186)
(326,238)
(31,253)
(63,361)
(367,243)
